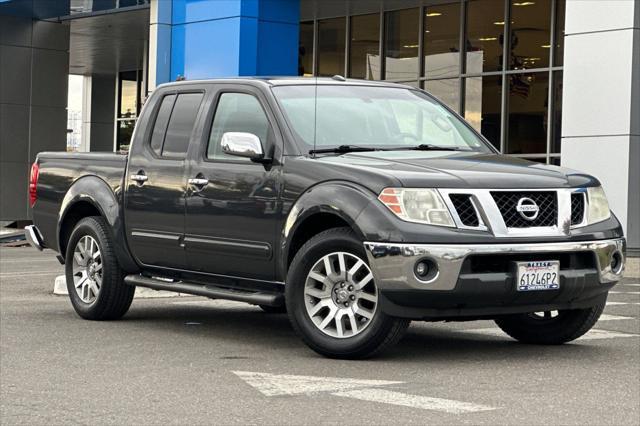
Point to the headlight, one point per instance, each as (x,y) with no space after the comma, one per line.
(417,205)
(598,205)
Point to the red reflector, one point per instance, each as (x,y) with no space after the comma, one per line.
(33,183)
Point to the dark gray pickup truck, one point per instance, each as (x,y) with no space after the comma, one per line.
(354,206)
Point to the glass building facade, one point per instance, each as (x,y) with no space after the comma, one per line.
(496,62)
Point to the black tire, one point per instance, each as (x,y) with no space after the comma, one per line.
(568,325)
(274,309)
(114,297)
(382,332)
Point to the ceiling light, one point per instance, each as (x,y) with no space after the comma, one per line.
(432,14)
(525,3)
(410,46)
(487,39)
(499,23)
(546,46)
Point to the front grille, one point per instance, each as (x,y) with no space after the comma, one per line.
(577,208)
(547,202)
(465,209)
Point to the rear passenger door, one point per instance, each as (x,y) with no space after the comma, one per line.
(156,182)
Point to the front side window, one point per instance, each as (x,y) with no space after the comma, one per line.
(236,112)
(378,117)
(183,118)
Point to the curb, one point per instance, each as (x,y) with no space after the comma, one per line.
(60,289)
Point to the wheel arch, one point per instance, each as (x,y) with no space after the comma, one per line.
(92,196)
(324,206)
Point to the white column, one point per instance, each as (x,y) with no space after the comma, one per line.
(85,144)
(600,114)
(159,42)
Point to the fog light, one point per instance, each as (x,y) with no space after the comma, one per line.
(616,262)
(425,270)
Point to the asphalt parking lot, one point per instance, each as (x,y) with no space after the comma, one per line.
(188,360)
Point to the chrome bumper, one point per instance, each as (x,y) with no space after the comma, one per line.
(33,237)
(393,264)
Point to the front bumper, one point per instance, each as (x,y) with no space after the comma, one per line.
(480,279)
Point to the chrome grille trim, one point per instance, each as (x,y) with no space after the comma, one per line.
(492,220)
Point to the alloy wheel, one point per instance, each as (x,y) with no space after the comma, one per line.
(87,269)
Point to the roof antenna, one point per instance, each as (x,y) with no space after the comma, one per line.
(338,78)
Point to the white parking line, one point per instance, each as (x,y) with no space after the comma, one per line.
(606,317)
(622,303)
(593,334)
(414,401)
(22,274)
(624,292)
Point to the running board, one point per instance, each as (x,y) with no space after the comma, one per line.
(213,292)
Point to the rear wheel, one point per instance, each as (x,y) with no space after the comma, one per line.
(551,327)
(332,299)
(95,280)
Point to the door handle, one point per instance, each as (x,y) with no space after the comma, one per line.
(198,182)
(139,177)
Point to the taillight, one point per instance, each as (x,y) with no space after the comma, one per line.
(33,183)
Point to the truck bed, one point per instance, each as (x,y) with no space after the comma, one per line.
(60,170)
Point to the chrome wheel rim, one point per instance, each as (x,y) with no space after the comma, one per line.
(340,295)
(87,269)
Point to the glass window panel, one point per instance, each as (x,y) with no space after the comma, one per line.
(555,161)
(447,91)
(560,16)
(485,35)
(528,103)
(401,49)
(483,99)
(442,40)
(331,42)
(160,125)
(181,124)
(305,49)
(128,95)
(125,131)
(556,130)
(236,112)
(530,34)
(364,51)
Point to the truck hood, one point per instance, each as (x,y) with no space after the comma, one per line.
(447,169)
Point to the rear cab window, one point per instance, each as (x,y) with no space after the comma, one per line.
(174,124)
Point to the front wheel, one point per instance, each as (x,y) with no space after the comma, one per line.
(333,301)
(551,327)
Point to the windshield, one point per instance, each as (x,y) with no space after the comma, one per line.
(375,117)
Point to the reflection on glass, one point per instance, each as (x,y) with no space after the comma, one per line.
(559,52)
(125,130)
(447,91)
(530,34)
(305,49)
(442,40)
(483,97)
(331,42)
(364,54)
(557,112)
(485,35)
(128,98)
(527,113)
(401,49)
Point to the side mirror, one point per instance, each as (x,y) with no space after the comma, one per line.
(242,144)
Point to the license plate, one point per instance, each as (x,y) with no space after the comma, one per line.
(542,275)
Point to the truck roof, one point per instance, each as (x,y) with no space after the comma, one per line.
(289,81)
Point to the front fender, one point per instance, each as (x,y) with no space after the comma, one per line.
(345,200)
(95,191)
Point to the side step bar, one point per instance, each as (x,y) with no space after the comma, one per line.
(213,292)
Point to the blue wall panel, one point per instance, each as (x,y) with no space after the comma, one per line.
(277,49)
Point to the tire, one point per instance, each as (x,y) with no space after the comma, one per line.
(568,325)
(113,295)
(359,338)
(274,309)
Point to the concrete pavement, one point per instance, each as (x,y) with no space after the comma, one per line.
(190,360)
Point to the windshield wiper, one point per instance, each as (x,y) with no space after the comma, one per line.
(430,147)
(343,149)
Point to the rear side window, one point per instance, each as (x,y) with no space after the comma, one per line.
(183,117)
(237,112)
(160,126)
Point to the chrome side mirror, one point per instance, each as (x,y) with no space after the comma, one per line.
(242,144)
